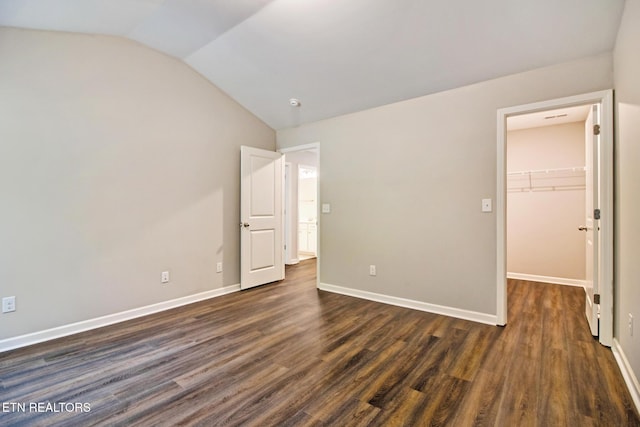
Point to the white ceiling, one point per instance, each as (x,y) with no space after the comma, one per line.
(549,118)
(339,56)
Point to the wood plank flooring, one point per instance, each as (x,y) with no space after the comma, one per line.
(287,354)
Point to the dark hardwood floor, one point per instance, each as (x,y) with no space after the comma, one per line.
(287,354)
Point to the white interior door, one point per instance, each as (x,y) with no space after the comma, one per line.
(261,219)
(592,224)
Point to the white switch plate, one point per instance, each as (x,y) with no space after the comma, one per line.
(164,278)
(8,304)
(487,205)
(219,267)
(326,208)
(372,270)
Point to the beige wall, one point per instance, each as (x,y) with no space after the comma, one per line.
(542,225)
(627,184)
(116,163)
(405,183)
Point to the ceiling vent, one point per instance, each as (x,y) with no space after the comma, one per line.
(555,117)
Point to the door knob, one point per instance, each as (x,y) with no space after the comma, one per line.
(244,224)
(582,228)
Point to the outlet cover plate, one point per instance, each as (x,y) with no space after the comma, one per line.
(8,304)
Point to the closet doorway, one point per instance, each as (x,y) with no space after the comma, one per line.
(546,188)
(557,181)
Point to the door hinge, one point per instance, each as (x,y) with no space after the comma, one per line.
(596,298)
(596,129)
(596,214)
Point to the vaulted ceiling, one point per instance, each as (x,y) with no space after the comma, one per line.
(339,56)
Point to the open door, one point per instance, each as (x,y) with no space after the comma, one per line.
(261,220)
(592,214)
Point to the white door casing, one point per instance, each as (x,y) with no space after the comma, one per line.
(288,216)
(605,180)
(261,218)
(591,228)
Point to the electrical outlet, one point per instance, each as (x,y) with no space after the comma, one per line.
(630,324)
(8,304)
(164,278)
(372,270)
(219,267)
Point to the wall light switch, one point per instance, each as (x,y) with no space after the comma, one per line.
(326,208)
(487,205)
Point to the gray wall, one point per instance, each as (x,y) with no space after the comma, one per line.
(627,184)
(116,163)
(405,183)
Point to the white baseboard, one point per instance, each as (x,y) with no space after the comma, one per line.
(489,319)
(547,279)
(98,322)
(293,261)
(627,373)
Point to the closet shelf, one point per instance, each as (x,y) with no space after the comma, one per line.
(548,171)
(572,178)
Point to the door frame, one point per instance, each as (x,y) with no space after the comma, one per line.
(605,274)
(307,147)
(288,259)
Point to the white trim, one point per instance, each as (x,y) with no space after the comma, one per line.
(293,261)
(501,221)
(98,322)
(546,279)
(286,202)
(627,373)
(606,221)
(605,98)
(303,147)
(474,316)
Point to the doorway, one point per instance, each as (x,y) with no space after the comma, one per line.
(546,189)
(307,211)
(565,176)
(302,214)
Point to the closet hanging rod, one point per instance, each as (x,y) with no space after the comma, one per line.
(573,169)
